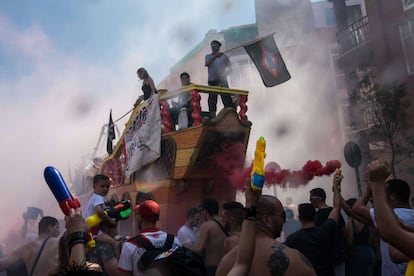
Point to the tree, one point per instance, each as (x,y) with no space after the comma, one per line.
(385,111)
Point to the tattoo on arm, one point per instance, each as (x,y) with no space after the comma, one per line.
(278,262)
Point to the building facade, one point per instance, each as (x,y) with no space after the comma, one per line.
(379,42)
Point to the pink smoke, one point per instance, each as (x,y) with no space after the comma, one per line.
(274,175)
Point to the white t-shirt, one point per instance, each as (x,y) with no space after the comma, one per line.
(388,267)
(187,236)
(93,201)
(131,253)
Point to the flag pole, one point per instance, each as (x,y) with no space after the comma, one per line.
(249,42)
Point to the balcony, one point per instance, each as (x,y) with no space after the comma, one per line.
(353,42)
(354,35)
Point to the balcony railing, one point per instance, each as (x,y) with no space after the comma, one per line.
(354,35)
(195,90)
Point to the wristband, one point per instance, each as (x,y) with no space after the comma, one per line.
(76,237)
(250,213)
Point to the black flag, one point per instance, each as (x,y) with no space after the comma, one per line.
(111,134)
(268,61)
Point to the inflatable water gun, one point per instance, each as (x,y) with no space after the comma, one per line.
(338,173)
(257,174)
(60,190)
(63,196)
(120,211)
(410,268)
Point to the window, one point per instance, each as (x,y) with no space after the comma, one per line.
(353,13)
(330,16)
(408,4)
(407,40)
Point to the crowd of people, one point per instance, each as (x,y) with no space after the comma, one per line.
(239,239)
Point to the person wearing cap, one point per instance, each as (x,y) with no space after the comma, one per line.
(147,214)
(219,67)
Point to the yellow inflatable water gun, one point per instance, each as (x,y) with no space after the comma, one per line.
(257,174)
(410,268)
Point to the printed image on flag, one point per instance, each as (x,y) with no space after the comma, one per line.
(268,61)
(110,134)
(143,136)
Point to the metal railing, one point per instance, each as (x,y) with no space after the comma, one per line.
(355,34)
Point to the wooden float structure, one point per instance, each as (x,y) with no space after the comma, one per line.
(195,162)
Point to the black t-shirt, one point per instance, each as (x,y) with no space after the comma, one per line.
(316,244)
(339,243)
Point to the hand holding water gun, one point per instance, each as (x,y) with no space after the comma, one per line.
(258,171)
(120,211)
(338,178)
(63,196)
(336,182)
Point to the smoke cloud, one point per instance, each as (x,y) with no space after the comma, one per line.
(59,79)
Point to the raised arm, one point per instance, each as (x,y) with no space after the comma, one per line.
(99,210)
(396,255)
(247,242)
(388,224)
(360,208)
(336,188)
(348,210)
(76,229)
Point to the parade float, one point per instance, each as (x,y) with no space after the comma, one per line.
(193,163)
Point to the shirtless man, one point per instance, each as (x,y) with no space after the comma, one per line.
(233,218)
(212,235)
(48,233)
(270,256)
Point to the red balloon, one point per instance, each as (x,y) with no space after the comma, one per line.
(271,171)
(272,167)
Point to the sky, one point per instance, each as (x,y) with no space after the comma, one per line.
(65,64)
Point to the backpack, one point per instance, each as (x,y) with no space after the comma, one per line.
(177,260)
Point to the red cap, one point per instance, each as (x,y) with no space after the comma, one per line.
(148,210)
